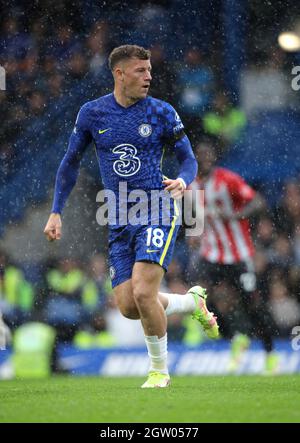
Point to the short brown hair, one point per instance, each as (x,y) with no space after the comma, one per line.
(126,52)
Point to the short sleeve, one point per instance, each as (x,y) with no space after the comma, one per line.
(239,189)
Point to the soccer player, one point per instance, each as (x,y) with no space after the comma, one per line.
(129,129)
(227,250)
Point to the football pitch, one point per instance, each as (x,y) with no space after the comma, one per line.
(189,399)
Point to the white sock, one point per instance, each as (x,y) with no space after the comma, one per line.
(158,352)
(184,303)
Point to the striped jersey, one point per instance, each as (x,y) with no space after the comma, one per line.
(225,241)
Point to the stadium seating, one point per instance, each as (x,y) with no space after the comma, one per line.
(42,145)
(268,154)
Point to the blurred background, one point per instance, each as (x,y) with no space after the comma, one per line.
(226,66)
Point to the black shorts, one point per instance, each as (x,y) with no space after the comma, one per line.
(240,275)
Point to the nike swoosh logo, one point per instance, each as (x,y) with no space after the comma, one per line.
(101,131)
(152,250)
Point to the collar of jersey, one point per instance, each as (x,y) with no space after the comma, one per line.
(128,107)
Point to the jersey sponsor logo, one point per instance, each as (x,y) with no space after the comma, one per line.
(101,131)
(145,130)
(178,128)
(128,163)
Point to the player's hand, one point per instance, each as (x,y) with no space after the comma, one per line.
(52,230)
(175,187)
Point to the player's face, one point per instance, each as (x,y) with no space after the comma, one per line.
(206,160)
(136,78)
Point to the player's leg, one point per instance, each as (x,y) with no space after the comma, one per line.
(172,303)
(125,300)
(177,303)
(121,264)
(234,321)
(194,303)
(121,261)
(146,279)
(261,321)
(185,303)
(155,244)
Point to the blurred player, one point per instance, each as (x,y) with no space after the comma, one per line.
(129,130)
(227,249)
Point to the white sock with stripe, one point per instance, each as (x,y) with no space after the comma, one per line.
(158,352)
(179,303)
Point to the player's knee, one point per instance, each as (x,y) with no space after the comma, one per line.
(129,310)
(140,295)
(132,314)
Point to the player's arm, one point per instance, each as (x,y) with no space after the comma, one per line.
(256,205)
(174,133)
(67,174)
(247,199)
(188,167)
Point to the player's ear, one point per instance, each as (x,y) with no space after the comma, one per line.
(118,74)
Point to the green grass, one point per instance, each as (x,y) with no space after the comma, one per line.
(189,399)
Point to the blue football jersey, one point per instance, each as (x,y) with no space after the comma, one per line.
(129,141)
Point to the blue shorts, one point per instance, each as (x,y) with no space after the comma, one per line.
(129,244)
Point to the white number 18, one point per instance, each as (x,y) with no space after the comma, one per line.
(156,236)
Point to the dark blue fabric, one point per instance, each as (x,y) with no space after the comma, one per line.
(188,163)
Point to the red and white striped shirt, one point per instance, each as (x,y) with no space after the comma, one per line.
(225,241)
